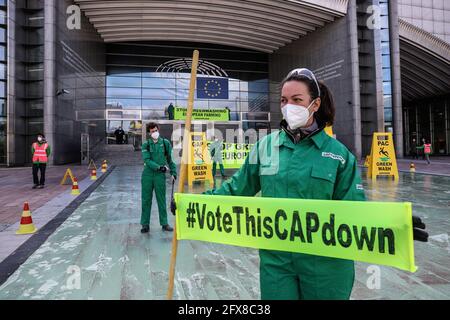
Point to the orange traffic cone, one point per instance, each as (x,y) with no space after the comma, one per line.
(104,166)
(75,191)
(94,175)
(26,222)
(412,167)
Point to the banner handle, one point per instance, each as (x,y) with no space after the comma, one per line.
(183,167)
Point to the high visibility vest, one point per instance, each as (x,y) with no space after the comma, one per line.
(427,148)
(40,152)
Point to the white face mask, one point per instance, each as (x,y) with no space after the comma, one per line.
(296,116)
(39,139)
(155,135)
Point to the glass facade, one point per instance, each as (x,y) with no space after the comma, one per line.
(32,98)
(429,120)
(386,64)
(431,16)
(138,84)
(3,75)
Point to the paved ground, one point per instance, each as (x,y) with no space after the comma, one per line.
(438,165)
(101,240)
(430,195)
(15,189)
(48,212)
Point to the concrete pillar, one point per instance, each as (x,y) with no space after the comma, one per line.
(50,74)
(354,58)
(397,113)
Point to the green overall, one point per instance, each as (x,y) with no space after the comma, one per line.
(216,148)
(318,167)
(155,155)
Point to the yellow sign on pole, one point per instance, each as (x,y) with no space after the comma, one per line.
(199,167)
(67,174)
(382,161)
(183,167)
(383,234)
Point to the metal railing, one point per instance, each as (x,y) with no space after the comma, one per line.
(142,115)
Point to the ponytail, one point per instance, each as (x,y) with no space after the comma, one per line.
(327,110)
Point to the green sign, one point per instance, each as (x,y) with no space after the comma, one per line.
(373,232)
(234,154)
(202,114)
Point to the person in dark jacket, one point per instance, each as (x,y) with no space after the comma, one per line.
(119,133)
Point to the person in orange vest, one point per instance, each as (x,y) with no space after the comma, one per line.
(40,151)
(427,150)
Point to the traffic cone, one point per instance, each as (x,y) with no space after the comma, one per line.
(104,166)
(75,191)
(94,175)
(412,167)
(26,222)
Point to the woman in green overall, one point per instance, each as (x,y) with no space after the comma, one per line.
(301,161)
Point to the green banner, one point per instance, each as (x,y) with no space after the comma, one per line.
(202,114)
(373,232)
(234,154)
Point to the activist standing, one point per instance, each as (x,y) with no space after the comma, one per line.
(301,161)
(216,149)
(119,133)
(427,150)
(171,111)
(157,155)
(40,151)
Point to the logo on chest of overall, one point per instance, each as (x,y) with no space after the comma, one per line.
(333,156)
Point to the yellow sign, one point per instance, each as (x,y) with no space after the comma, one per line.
(67,174)
(373,232)
(383,161)
(92,165)
(199,166)
(202,114)
(234,154)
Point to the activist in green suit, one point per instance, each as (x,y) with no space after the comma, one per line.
(157,154)
(216,149)
(301,161)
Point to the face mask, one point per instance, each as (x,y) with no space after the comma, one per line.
(155,135)
(39,139)
(296,116)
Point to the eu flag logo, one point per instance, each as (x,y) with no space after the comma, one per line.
(212,88)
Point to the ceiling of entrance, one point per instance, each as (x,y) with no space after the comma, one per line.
(424,61)
(263,25)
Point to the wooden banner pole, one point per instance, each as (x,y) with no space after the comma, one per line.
(183,167)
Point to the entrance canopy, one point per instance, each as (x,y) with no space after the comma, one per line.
(425,61)
(263,25)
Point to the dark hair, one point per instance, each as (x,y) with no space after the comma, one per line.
(40,135)
(152,125)
(327,110)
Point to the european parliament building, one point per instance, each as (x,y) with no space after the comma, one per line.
(77,69)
